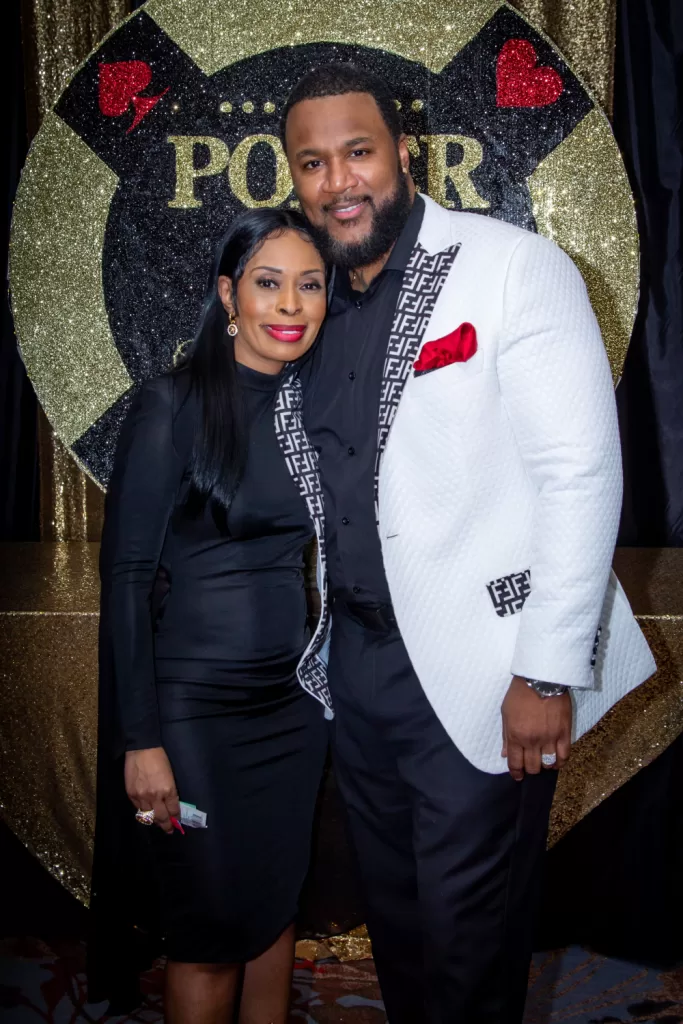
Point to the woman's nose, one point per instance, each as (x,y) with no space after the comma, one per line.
(290,301)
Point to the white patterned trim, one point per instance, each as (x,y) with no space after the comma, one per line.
(423,280)
(301,460)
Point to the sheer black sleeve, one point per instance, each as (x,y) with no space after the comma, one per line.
(142,491)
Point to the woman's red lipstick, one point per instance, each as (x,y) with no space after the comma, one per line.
(286,332)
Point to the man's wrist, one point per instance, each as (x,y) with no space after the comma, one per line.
(544,689)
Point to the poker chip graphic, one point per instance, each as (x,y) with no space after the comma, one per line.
(171,128)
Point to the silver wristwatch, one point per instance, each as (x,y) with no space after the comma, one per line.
(545,689)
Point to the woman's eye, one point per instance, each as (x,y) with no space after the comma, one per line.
(266,282)
(312,286)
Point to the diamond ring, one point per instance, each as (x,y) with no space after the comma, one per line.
(548,760)
(145,817)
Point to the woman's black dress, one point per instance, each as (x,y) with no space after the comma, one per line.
(203,628)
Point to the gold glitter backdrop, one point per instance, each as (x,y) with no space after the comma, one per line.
(584,30)
(57,36)
(580,194)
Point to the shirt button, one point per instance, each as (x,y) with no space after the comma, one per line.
(359,305)
(345,521)
(352,450)
(356,590)
(352,375)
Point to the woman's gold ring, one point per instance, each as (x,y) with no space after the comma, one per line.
(145,817)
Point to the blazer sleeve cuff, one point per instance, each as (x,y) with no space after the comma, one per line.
(566,671)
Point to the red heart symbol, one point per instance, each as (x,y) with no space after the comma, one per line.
(519,82)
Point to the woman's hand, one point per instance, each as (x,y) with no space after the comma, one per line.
(150,785)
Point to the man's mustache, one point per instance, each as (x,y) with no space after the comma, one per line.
(346,201)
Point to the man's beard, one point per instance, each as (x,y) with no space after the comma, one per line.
(388,221)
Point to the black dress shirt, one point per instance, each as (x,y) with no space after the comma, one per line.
(341,410)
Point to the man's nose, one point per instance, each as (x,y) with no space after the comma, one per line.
(340,177)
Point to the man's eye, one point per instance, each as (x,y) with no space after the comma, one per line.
(360,152)
(312,165)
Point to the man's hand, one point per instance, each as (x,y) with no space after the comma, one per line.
(533,726)
(150,785)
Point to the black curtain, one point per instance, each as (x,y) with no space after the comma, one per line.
(615,881)
(19,487)
(648,124)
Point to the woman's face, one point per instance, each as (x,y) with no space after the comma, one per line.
(281,302)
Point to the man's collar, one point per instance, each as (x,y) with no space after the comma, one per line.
(405,243)
(439,227)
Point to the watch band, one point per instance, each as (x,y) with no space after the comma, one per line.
(545,689)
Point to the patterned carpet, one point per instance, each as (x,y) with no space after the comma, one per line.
(46,983)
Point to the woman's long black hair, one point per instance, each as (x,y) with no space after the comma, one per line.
(220,444)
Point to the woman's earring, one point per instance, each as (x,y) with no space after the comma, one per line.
(232,326)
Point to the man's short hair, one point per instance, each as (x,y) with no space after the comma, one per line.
(337,80)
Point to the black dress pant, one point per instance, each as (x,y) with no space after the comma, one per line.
(450,857)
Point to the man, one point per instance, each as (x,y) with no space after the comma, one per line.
(460,455)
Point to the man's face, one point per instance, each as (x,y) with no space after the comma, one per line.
(349,175)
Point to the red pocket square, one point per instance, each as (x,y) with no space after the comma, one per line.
(457,347)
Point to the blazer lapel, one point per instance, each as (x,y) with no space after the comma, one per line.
(301,460)
(422,283)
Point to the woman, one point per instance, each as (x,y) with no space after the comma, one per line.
(204,611)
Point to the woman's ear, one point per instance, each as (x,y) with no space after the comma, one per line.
(225,294)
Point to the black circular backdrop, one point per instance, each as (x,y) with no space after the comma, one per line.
(140,90)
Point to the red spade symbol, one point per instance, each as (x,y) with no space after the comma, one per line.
(520,83)
(120,85)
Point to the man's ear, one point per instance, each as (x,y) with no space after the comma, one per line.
(225,294)
(404,154)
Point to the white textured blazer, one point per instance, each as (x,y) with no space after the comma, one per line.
(499,488)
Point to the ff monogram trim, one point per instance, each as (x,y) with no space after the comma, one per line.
(509,593)
(301,460)
(423,280)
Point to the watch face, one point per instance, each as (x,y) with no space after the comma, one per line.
(171,128)
(547,689)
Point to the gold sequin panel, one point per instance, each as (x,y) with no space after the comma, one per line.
(584,31)
(57,36)
(48,707)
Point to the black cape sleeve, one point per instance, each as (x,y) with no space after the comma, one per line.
(140,500)
(149,463)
